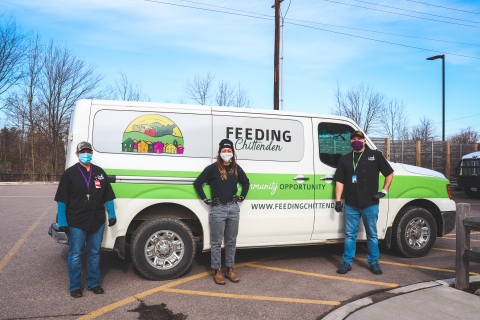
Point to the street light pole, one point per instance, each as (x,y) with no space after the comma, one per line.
(442,56)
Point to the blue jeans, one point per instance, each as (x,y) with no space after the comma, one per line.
(224,220)
(352,220)
(77,239)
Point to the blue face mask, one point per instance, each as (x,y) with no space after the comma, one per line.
(85,158)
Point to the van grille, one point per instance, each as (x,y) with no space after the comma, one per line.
(470,168)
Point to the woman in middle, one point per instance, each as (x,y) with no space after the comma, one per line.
(223,177)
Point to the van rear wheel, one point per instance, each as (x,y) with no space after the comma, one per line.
(162,248)
(414,232)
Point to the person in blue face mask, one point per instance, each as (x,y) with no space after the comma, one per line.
(82,195)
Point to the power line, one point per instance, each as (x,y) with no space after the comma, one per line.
(331,25)
(448,8)
(215,6)
(311,27)
(402,14)
(428,14)
(381,32)
(470,116)
(211,10)
(382,41)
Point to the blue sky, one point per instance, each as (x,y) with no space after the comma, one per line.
(160,46)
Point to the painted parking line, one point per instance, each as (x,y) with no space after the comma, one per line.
(456,239)
(250,297)
(417,266)
(454,234)
(140,295)
(442,249)
(19,243)
(326,276)
(120,303)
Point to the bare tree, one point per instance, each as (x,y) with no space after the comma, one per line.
(361,104)
(393,120)
(424,131)
(21,106)
(13,49)
(64,80)
(124,89)
(466,135)
(200,89)
(242,99)
(225,95)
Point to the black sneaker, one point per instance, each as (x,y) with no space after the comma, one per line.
(344,268)
(97,290)
(375,268)
(77,293)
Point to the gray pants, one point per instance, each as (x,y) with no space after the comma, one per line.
(224,220)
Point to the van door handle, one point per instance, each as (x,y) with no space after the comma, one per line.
(301,178)
(326,178)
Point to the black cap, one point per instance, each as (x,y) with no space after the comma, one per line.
(84,145)
(225,143)
(357,134)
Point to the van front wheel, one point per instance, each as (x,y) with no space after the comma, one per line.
(162,248)
(414,232)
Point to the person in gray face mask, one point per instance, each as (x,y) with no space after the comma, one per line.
(223,177)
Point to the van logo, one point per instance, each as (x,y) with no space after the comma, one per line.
(475,157)
(153,133)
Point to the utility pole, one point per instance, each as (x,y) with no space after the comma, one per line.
(276,60)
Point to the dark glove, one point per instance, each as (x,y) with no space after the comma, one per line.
(378,195)
(208,202)
(63,229)
(338,206)
(237,198)
(111,222)
(215,202)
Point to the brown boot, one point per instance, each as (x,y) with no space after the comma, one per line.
(231,275)
(218,277)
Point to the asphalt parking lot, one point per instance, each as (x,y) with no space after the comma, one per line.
(276,283)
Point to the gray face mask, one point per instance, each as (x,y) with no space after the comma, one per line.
(226,156)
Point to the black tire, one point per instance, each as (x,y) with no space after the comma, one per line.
(414,232)
(162,248)
(471,194)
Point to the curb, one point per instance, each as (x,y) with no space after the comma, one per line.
(346,310)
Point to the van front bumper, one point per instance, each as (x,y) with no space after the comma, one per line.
(448,221)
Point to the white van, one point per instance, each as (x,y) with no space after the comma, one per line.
(153,152)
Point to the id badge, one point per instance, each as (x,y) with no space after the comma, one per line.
(354,178)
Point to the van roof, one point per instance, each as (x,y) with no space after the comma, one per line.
(209,109)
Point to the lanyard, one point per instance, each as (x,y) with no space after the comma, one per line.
(84,177)
(356,164)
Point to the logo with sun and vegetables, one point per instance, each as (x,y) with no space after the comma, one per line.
(153,133)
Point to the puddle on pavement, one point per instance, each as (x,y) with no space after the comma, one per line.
(158,311)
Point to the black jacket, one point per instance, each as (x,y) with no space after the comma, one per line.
(222,189)
(371,163)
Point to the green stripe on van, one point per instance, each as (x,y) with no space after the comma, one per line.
(271,186)
(417,187)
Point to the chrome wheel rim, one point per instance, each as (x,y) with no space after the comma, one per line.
(417,233)
(164,249)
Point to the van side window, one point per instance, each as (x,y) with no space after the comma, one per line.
(333,142)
